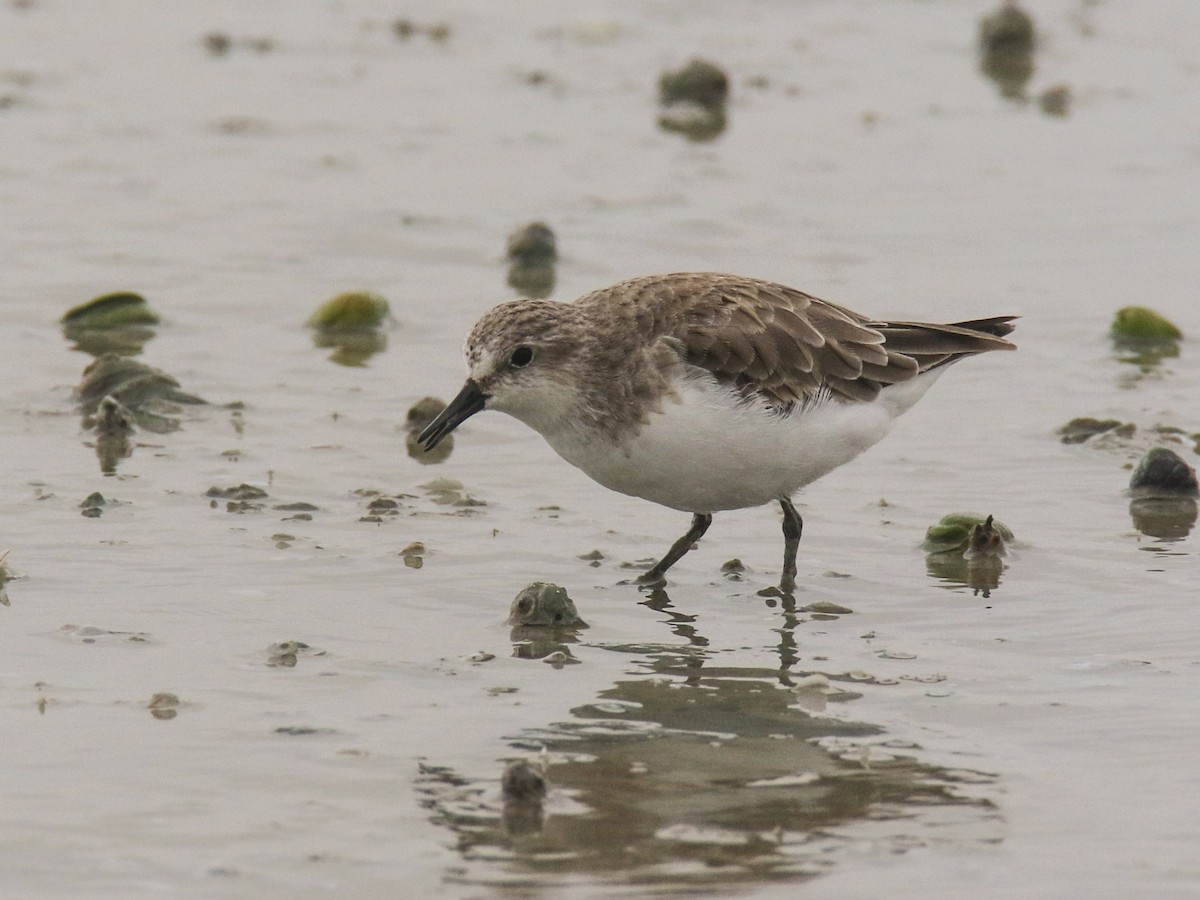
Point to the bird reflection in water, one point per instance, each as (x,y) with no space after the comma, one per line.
(697,774)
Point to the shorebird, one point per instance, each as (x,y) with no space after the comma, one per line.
(705,392)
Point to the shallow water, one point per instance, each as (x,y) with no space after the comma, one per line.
(703,738)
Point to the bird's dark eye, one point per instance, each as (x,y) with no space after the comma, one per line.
(521,357)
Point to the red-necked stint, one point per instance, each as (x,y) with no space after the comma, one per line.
(705,392)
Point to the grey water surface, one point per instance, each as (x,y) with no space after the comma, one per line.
(309,688)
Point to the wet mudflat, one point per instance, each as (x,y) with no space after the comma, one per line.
(268,653)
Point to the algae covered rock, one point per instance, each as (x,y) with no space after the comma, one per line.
(968,549)
(351,324)
(544,622)
(111,311)
(1056,101)
(421,413)
(1007,40)
(1008,30)
(120,323)
(532,252)
(694,100)
(967,532)
(351,311)
(1084,428)
(544,605)
(532,245)
(1163,472)
(1144,338)
(1163,492)
(700,81)
(1140,324)
(419,416)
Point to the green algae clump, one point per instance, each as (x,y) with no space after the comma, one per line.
(351,325)
(955,532)
(111,311)
(1140,324)
(120,322)
(351,311)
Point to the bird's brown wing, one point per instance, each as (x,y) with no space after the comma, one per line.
(787,348)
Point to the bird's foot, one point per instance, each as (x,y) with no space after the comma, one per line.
(785,592)
(651,580)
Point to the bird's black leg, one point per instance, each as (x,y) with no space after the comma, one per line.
(656,575)
(793,526)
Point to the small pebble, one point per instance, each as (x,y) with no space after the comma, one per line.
(533,245)
(1008,30)
(239,492)
(699,82)
(827,607)
(422,413)
(1085,427)
(1056,101)
(164,706)
(217,43)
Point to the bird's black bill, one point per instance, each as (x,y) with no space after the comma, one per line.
(469,401)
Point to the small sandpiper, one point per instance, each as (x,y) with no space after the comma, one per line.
(705,392)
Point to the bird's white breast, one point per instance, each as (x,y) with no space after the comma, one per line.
(705,451)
